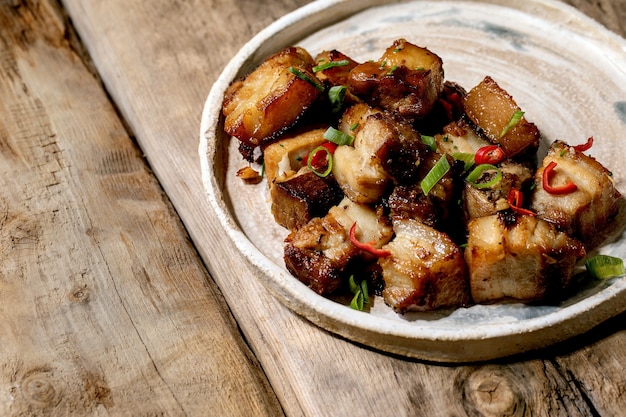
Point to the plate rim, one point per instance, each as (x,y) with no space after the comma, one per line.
(404,338)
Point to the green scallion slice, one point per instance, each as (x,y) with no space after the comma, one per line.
(329,157)
(331,64)
(361,294)
(513,121)
(605,267)
(336,95)
(436,173)
(430,142)
(467,158)
(338,137)
(477,172)
(304,76)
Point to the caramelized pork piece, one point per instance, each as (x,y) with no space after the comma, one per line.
(435,209)
(320,253)
(583,210)
(354,117)
(296,192)
(425,270)
(271,98)
(459,137)
(283,158)
(406,81)
(301,197)
(519,259)
(479,202)
(493,111)
(358,168)
(333,67)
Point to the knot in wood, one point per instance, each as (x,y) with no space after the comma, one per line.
(39,390)
(79,295)
(493,391)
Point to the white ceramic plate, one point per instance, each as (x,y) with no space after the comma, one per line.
(567,72)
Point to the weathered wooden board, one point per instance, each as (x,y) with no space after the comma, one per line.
(105,306)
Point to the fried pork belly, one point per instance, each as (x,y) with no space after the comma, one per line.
(301,197)
(491,109)
(425,270)
(479,202)
(358,168)
(434,209)
(459,137)
(407,80)
(519,259)
(271,98)
(585,211)
(286,156)
(296,192)
(320,253)
(354,117)
(334,75)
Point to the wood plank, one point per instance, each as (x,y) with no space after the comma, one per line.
(313,372)
(105,305)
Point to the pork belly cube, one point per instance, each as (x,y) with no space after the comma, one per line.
(271,98)
(320,253)
(284,157)
(491,109)
(436,209)
(354,117)
(425,270)
(299,198)
(519,259)
(459,137)
(479,202)
(407,80)
(357,168)
(584,212)
(334,74)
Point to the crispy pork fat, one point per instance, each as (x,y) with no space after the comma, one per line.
(425,270)
(407,80)
(491,109)
(320,253)
(584,211)
(519,258)
(271,98)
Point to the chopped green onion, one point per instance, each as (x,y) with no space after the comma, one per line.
(329,157)
(513,121)
(430,142)
(604,267)
(437,172)
(304,76)
(354,126)
(477,172)
(361,294)
(336,95)
(331,64)
(467,158)
(337,137)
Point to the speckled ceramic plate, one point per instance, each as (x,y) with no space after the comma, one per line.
(567,72)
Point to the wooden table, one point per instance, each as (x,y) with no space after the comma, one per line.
(120,296)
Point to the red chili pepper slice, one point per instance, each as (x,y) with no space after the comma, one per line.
(568,187)
(585,146)
(367,247)
(319,160)
(515,200)
(491,154)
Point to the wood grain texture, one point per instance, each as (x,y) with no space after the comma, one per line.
(177,353)
(105,306)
